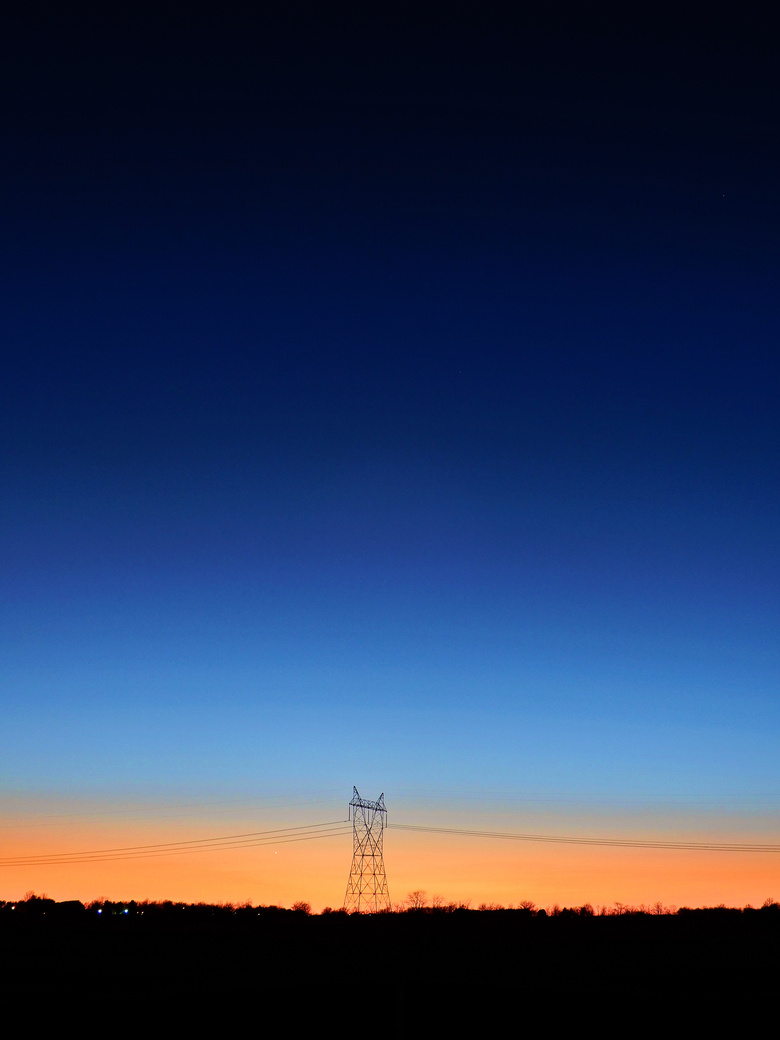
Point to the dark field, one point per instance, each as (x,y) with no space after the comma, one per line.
(405,974)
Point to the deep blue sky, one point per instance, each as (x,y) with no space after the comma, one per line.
(390,408)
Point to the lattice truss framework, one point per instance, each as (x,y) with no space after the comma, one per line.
(367,886)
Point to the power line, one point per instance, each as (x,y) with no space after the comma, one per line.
(251,839)
(176,852)
(334,828)
(636,843)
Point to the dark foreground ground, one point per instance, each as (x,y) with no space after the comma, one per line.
(463,973)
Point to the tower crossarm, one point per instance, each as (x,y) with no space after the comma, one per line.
(365,803)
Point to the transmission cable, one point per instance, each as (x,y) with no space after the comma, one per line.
(636,843)
(279,835)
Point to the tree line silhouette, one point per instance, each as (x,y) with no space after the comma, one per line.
(416,902)
(427,967)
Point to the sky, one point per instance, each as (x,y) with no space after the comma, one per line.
(391,405)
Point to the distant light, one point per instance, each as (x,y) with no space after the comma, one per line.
(100,911)
(126,911)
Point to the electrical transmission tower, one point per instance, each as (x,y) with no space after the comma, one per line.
(367,885)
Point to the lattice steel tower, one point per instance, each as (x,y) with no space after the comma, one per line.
(367,885)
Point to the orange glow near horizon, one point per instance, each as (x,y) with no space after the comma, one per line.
(458,869)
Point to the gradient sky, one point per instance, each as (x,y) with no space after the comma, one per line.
(391,408)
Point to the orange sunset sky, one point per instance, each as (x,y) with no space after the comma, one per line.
(457,868)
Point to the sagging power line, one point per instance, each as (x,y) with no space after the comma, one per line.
(633,843)
(367,887)
(250,839)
